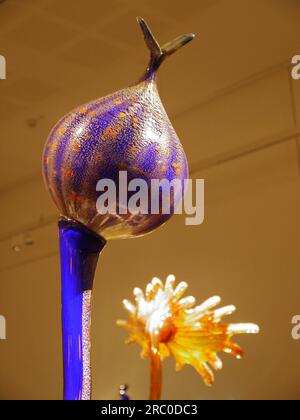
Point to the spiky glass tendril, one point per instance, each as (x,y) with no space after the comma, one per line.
(164,323)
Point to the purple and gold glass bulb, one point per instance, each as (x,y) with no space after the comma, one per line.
(126,131)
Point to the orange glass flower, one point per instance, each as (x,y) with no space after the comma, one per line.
(164,323)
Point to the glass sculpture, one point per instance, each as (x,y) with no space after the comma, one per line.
(164,323)
(126,131)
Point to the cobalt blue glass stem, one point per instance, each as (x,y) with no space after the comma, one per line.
(79,252)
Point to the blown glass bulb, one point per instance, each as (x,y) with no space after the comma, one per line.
(126,131)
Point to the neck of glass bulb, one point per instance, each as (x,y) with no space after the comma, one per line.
(79,253)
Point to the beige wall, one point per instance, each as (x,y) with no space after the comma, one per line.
(247,250)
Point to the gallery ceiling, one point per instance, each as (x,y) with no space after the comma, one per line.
(62,53)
